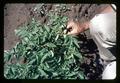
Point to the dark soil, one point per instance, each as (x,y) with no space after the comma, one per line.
(18,14)
(14,16)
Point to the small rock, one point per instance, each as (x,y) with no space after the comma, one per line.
(22,60)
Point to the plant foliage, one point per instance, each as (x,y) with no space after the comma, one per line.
(46,52)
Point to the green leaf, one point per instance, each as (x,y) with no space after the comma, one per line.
(57,37)
(35,30)
(36,76)
(47,65)
(52,53)
(71,56)
(7,56)
(37,58)
(44,57)
(81,76)
(76,42)
(78,55)
(21,33)
(41,29)
(59,59)
(32,61)
(26,39)
(71,74)
(47,28)
(42,73)
(55,74)
(51,45)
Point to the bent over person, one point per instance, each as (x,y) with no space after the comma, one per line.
(103,31)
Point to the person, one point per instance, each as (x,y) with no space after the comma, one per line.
(103,31)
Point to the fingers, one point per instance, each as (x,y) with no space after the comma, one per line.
(69,25)
(72,32)
(69,33)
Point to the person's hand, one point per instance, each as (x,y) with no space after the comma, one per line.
(75,27)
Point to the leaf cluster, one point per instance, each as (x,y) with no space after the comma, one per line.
(44,52)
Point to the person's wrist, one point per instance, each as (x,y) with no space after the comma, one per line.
(83,26)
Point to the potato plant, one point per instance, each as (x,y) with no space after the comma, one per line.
(44,52)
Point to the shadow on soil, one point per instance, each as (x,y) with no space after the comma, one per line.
(92,65)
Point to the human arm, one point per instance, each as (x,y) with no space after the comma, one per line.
(78,27)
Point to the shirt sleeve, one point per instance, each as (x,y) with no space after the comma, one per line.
(103,32)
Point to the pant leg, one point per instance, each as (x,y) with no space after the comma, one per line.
(110,71)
